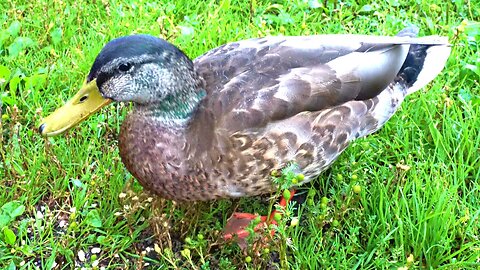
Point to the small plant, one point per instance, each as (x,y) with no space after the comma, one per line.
(289,176)
(8,213)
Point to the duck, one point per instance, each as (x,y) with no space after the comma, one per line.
(217,126)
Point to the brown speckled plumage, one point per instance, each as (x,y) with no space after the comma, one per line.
(217,126)
(272,101)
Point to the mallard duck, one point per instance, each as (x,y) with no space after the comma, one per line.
(216,127)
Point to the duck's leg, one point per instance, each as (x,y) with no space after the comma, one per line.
(237,223)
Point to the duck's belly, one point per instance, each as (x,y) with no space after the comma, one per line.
(164,163)
(164,172)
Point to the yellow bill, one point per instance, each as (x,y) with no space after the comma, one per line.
(85,103)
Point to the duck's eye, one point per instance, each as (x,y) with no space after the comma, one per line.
(124,67)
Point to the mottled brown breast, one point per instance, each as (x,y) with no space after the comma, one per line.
(155,156)
(188,164)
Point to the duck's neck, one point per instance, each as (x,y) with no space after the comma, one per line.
(174,110)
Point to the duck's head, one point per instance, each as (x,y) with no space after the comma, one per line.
(142,69)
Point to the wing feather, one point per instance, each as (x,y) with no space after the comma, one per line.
(253,82)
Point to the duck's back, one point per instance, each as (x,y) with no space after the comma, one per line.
(254,82)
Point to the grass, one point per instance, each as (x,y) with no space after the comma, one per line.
(407,196)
